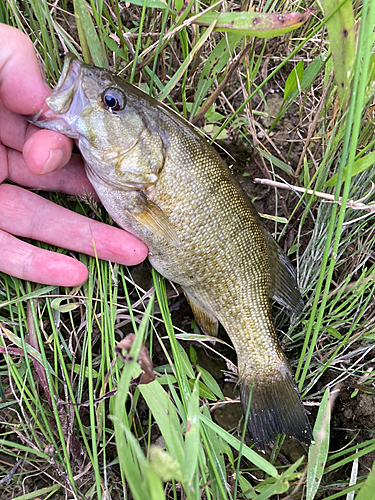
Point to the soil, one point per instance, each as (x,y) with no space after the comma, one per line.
(353,421)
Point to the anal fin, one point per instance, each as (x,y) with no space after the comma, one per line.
(207,322)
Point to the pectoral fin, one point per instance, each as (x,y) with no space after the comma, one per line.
(152,217)
(208,323)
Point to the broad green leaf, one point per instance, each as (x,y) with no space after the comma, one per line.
(247,452)
(214,116)
(150,486)
(193,355)
(9,403)
(281,220)
(358,166)
(179,4)
(341,34)
(165,414)
(294,80)
(192,438)
(309,76)
(85,372)
(56,304)
(38,493)
(128,449)
(246,487)
(210,382)
(276,161)
(165,466)
(368,487)
(212,131)
(319,451)
(216,447)
(185,361)
(112,45)
(254,23)
(152,4)
(128,462)
(204,391)
(91,46)
(279,485)
(335,333)
(21,447)
(166,379)
(40,292)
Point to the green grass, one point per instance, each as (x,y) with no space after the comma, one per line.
(160,440)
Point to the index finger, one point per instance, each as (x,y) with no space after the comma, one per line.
(26,214)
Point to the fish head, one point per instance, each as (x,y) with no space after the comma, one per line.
(121,143)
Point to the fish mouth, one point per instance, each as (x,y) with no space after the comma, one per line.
(63,97)
(68,100)
(66,103)
(70,73)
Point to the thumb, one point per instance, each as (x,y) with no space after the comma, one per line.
(22,88)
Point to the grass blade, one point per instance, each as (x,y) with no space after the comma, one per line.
(319,451)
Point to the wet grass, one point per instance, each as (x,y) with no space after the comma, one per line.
(64,431)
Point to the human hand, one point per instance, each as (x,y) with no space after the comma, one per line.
(43,165)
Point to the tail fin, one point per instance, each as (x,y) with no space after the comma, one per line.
(275,408)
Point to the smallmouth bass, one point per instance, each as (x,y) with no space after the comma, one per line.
(160,180)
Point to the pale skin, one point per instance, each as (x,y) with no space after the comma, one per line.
(42,159)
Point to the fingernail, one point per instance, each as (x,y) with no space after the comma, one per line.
(55,159)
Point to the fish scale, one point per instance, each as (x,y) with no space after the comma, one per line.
(160,180)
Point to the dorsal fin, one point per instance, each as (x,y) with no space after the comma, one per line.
(284,286)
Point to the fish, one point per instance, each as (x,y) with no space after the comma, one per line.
(162,181)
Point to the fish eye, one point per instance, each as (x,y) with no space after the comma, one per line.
(113,99)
